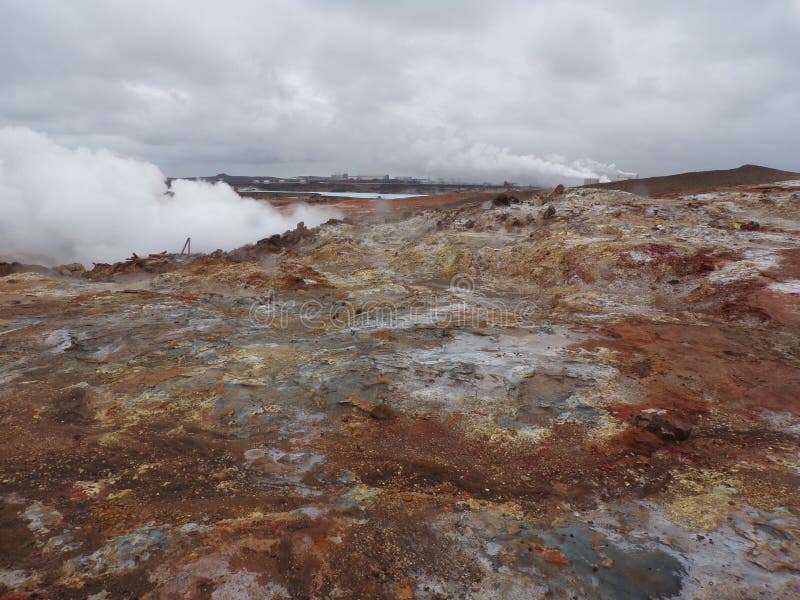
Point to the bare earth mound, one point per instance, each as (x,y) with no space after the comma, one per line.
(700,181)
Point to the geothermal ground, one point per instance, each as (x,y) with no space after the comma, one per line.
(580,395)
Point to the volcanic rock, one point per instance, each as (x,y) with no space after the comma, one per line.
(667,426)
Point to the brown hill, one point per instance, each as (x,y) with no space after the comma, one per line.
(700,181)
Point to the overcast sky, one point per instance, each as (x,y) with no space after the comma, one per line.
(454,88)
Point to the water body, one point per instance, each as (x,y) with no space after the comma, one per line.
(367,195)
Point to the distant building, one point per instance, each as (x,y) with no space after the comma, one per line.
(591,180)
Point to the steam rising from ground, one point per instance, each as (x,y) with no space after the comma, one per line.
(93,206)
(455,157)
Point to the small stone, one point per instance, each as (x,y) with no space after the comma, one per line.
(505,200)
(382,412)
(750,226)
(664,425)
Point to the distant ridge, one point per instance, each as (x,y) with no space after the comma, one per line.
(700,181)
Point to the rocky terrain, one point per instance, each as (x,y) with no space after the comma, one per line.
(583,394)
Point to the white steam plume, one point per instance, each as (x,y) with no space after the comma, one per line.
(450,155)
(91,205)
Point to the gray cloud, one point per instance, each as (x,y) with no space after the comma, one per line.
(469,88)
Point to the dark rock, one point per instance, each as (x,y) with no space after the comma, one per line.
(558,191)
(501,200)
(750,226)
(663,424)
(549,213)
(273,243)
(505,199)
